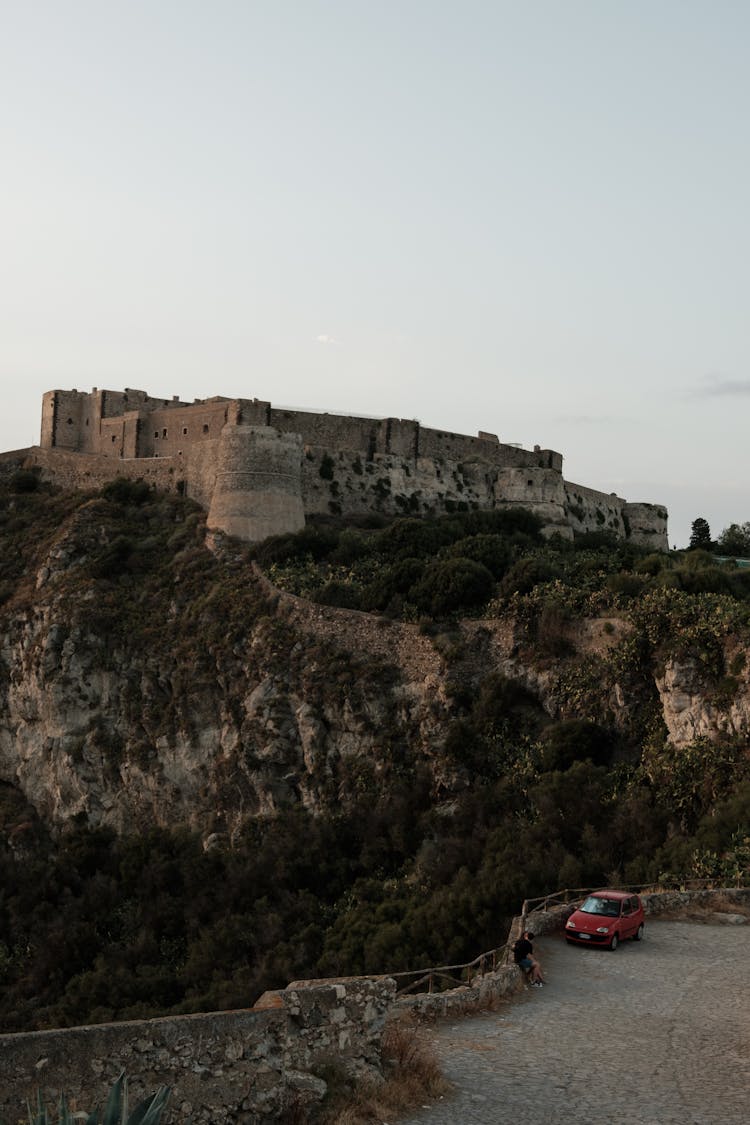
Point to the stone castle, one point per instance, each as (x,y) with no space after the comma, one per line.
(260,470)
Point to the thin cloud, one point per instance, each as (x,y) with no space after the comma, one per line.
(324,339)
(718,386)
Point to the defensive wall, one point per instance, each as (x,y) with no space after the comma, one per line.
(260,470)
(256,1065)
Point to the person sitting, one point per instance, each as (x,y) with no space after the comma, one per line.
(523,955)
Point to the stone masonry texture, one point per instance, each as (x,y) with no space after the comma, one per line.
(260,470)
(226,1068)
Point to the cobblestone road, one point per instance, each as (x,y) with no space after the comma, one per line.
(657,1033)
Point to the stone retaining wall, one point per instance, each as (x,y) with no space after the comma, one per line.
(226,1068)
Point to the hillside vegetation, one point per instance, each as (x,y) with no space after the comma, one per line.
(480,716)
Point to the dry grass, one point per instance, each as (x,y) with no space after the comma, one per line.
(411,1075)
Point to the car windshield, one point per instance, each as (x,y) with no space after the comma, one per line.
(596,905)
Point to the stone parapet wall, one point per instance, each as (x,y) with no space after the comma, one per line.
(87,472)
(224,1068)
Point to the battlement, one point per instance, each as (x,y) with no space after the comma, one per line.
(259,469)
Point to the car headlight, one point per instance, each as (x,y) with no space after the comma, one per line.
(570,924)
(602,929)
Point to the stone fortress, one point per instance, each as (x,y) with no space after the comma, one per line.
(260,470)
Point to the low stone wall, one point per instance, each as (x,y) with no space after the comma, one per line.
(665,902)
(226,1068)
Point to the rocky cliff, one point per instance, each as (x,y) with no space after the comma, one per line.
(148,679)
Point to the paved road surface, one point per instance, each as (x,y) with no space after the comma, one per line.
(657,1033)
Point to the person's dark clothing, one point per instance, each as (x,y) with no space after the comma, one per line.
(522,950)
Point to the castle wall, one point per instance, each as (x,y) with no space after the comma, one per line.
(169,433)
(86,472)
(215,448)
(590,510)
(647,525)
(398,437)
(329,431)
(258,489)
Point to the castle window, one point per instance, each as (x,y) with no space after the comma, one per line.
(87,421)
(114,438)
(184,429)
(70,421)
(156,433)
(205,427)
(164,432)
(529,483)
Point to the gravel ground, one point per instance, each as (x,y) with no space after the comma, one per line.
(656,1033)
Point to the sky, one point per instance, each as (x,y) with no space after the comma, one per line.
(524,218)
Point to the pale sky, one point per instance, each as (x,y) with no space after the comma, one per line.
(526,217)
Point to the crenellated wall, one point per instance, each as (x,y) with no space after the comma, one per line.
(239,459)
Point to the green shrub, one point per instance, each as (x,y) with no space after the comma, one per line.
(25,480)
(452,585)
(491,551)
(392,580)
(125,491)
(575,740)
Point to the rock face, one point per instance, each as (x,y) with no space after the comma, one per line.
(301,703)
(693,708)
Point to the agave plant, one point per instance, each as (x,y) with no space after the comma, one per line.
(116,1111)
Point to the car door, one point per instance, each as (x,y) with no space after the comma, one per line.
(626,919)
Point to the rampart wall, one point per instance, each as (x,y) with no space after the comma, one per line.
(351,466)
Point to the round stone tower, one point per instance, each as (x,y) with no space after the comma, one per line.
(258,490)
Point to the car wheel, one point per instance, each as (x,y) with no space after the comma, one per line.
(614,942)
(638,935)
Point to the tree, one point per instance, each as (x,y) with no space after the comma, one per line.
(700,536)
(735,540)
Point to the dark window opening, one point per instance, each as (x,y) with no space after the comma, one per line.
(164,432)
(70,421)
(205,427)
(114,437)
(529,483)
(184,429)
(156,433)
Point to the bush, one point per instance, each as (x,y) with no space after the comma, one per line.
(124,491)
(413,538)
(25,480)
(452,585)
(392,581)
(491,551)
(575,740)
(315,542)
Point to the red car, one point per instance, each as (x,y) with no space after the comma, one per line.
(606,918)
